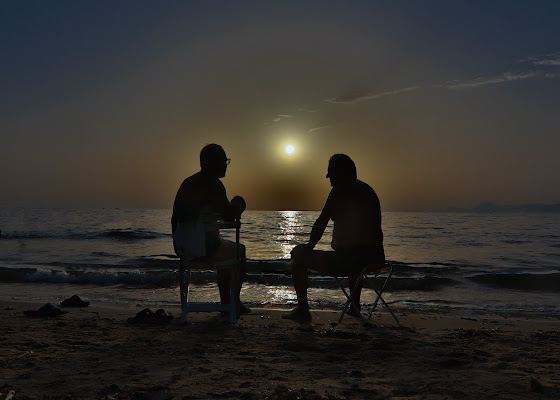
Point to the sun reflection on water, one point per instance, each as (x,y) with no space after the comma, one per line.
(290,226)
(281,295)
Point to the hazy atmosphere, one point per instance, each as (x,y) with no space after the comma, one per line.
(440,104)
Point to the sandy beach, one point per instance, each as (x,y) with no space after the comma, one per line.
(93,353)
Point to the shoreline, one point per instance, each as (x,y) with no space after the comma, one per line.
(93,353)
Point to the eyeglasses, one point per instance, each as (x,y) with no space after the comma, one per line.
(228,160)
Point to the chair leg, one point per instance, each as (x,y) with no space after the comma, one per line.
(233,296)
(349,302)
(348,299)
(184,281)
(379,293)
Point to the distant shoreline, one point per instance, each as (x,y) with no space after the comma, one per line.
(492,207)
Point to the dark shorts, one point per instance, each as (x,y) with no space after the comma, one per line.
(346,262)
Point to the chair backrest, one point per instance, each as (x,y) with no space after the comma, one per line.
(189,240)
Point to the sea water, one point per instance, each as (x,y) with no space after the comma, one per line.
(504,263)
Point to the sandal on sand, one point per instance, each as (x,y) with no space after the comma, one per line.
(142,317)
(74,301)
(146,316)
(298,315)
(48,310)
(161,317)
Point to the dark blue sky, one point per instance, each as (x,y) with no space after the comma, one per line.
(439,103)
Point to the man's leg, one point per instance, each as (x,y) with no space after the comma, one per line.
(227,250)
(303,259)
(356,292)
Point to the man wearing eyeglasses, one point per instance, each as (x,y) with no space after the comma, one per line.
(200,201)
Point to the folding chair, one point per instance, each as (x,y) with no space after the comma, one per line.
(187,265)
(364,276)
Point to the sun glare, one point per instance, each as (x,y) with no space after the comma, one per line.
(289,149)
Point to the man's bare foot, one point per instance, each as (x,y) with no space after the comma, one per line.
(243,309)
(298,314)
(353,313)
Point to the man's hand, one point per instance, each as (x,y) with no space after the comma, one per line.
(239,205)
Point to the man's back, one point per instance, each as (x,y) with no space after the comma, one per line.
(356,213)
(199,196)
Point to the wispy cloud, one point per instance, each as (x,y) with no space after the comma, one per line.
(551,59)
(320,128)
(279,118)
(542,66)
(359,97)
(489,80)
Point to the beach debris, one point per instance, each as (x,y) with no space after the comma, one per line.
(146,316)
(74,301)
(48,310)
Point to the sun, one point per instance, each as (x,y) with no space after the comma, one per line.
(289,149)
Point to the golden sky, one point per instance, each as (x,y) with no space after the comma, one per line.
(108,104)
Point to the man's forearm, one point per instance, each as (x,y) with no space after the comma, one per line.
(317,230)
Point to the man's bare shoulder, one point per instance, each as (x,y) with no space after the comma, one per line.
(364,188)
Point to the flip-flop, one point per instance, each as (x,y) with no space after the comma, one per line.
(161,317)
(74,301)
(146,316)
(48,310)
(142,317)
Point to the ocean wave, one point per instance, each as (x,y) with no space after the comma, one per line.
(26,235)
(513,241)
(275,276)
(523,281)
(131,234)
(125,234)
(161,271)
(104,278)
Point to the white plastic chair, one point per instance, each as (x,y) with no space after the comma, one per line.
(202,263)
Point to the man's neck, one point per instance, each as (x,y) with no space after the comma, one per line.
(208,174)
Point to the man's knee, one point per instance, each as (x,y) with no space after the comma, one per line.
(304,258)
(228,250)
(300,252)
(242,251)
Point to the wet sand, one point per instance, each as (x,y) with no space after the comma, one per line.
(93,353)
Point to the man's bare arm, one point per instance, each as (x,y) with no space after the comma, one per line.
(318,229)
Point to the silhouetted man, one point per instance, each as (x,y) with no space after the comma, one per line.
(357,236)
(200,202)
